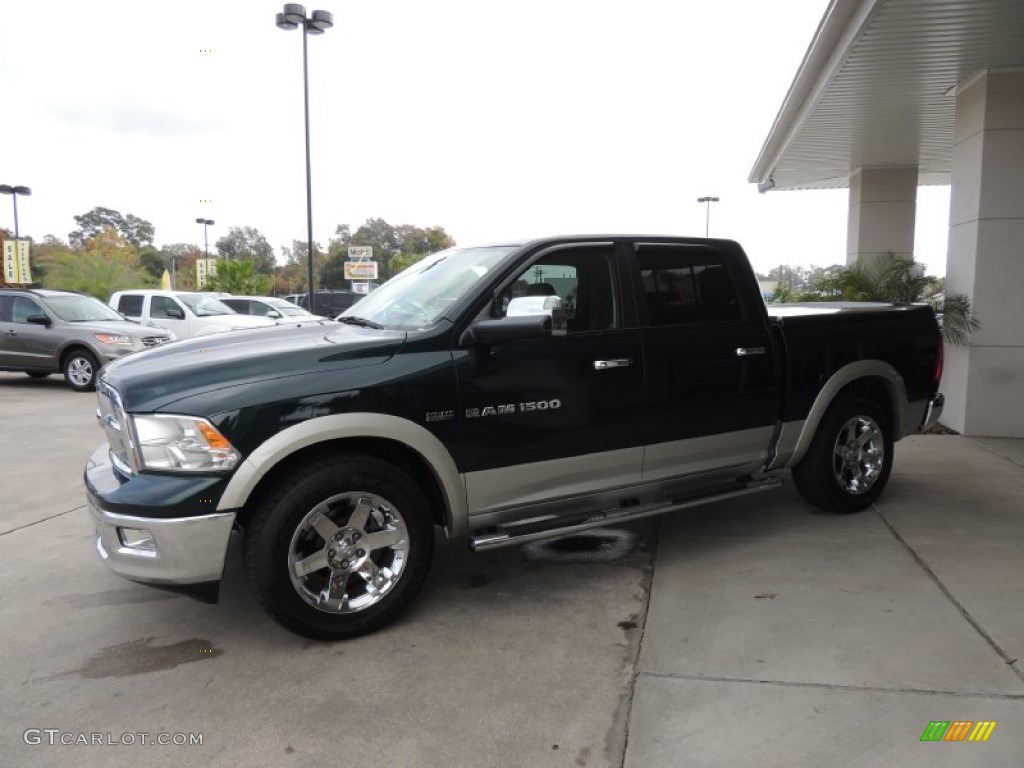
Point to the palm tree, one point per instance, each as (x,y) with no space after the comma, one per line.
(898,280)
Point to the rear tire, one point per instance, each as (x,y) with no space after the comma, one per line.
(80,370)
(340,546)
(849,460)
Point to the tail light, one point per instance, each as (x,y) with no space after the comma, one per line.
(939,352)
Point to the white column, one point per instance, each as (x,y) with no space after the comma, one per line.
(984,382)
(883,204)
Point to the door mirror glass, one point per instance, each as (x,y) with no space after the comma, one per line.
(38,320)
(175,312)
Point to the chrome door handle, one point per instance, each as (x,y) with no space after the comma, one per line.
(603,365)
(748,351)
(12,333)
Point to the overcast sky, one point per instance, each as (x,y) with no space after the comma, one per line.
(495,121)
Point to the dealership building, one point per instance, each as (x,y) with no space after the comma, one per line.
(894,94)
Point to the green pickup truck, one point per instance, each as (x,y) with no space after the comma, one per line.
(503,394)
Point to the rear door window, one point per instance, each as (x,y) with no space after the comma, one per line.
(686,285)
(130,305)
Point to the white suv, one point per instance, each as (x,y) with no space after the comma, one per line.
(184,314)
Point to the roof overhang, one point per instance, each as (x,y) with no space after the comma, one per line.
(877,88)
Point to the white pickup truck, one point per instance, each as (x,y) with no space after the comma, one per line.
(183,313)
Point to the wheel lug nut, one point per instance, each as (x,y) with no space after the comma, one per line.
(344,563)
(360,552)
(356,536)
(331,553)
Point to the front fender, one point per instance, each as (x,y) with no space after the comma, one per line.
(349,425)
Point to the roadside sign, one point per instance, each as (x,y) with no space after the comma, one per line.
(205,269)
(17,268)
(360,252)
(360,270)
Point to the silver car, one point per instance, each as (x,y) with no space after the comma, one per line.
(44,331)
(279,310)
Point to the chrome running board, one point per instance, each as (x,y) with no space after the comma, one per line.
(546,527)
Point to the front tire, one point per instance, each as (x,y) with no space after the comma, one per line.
(340,547)
(849,460)
(80,370)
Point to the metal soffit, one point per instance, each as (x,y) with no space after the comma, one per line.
(877,88)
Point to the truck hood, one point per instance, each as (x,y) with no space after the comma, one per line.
(151,380)
(122,327)
(236,322)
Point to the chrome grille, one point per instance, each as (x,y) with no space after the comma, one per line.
(154,341)
(112,419)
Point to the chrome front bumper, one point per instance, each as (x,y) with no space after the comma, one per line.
(933,411)
(186,550)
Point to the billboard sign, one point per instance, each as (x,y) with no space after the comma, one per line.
(360,270)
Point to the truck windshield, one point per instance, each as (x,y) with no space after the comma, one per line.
(419,296)
(205,306)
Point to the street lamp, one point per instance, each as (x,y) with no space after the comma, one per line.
(206,243)
(292,17)
(707,219)
(7,189)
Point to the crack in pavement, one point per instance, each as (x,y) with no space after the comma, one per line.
(835,686)
(42,520)
(641,634)
(1007,659)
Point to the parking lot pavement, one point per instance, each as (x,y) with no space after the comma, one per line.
(762,633)
(500,662)
(781,636)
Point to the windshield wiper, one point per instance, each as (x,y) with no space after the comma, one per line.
(362,322)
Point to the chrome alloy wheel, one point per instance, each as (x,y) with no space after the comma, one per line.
(348,552)
(80,371)
(858,455)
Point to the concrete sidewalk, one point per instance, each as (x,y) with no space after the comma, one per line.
(778,635)
(750,633)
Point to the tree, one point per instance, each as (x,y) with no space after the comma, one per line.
(248,243)
(180,260)
(239,277)
(900,280)
(394,248)
(384,240)
(135,231)
(290,278)
(104,264)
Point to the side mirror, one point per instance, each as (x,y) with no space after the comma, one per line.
(274,314)
(527,317)
(176,313)
(486,332)
(39,320)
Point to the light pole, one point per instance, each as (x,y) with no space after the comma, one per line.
(707,219)
(206,243)
(7,189)
(292,17)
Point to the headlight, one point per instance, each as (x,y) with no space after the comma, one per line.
(182,444)
(115,338)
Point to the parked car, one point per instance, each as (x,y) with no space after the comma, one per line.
(330,303)
(504,394)
(186,314)
(278,310)
(45,331)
